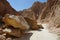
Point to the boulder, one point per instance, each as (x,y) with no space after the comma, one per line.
(29,16)
(16,21)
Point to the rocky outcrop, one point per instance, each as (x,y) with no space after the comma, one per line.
(45,14)
(37,8)
(16,23)
(31,14)
(28,13)
(51,15)
(54,23)
(6,8)
(30,18)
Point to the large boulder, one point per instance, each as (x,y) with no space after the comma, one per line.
(16,24)
(15,21)
(30,18)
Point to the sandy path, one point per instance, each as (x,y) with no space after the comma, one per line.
(39,35)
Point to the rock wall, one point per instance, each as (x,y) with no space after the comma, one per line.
(51,16)
(35,9)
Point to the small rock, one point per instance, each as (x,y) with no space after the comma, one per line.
(2,37)
(8,39)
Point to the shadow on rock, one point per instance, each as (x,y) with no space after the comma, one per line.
(25,37)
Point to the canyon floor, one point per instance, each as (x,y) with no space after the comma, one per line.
(44,34)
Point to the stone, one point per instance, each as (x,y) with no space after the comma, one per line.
(16,21)
(2,37)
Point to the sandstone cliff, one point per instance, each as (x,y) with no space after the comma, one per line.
(36,8)
(50,15)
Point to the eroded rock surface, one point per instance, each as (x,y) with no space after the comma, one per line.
(51,16)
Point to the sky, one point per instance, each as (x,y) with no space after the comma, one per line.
(22,4)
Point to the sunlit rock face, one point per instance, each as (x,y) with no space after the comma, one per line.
(51,16)
(31,14)
(46,11)
(16,21)
(35,9)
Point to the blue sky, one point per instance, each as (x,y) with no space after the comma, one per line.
(22,4)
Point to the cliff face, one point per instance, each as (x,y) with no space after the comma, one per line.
(5,7)
(51,16)
(54,22)
(45,14)
(31,14)
(35,10)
